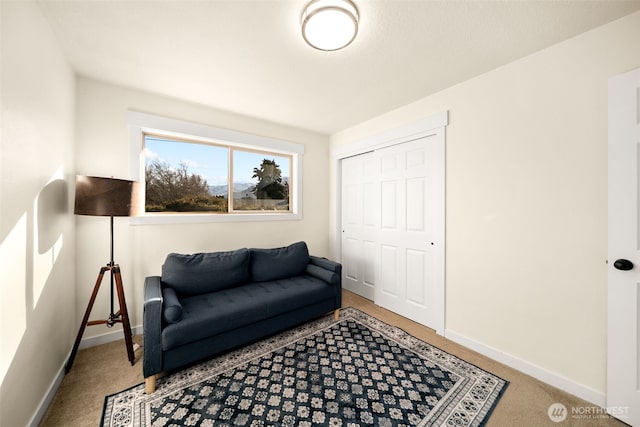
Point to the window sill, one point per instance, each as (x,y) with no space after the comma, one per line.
(199,218)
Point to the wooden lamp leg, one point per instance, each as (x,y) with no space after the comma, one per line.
(126,326)
(121,316)
(85,320)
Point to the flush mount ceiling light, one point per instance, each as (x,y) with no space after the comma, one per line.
(329,24)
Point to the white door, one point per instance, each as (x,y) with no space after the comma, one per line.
(360,222)
(623,370)
(411,234)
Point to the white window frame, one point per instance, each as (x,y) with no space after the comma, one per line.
(143,123)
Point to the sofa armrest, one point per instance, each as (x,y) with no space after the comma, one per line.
(152,326)
(335,275)
(326,264)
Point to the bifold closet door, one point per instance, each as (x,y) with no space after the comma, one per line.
(393,228)
(411,233)
(360,223)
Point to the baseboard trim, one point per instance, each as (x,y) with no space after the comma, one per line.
(115,335)
(107,337)
(47,398)
(586,393)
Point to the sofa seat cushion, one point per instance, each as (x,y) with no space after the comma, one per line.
(209,314)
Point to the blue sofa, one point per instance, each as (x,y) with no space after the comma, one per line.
(208,303)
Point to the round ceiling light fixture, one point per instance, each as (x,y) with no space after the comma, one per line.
(329,24)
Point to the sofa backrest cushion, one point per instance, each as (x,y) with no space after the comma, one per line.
(279,263)
(206,272)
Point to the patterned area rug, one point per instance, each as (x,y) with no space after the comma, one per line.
(353,371)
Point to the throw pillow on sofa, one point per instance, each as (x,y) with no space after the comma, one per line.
(171,307)
(205,272)
(279,263)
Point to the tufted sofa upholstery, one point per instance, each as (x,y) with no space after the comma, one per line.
(207,303)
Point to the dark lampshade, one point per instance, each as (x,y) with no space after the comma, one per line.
(106,196)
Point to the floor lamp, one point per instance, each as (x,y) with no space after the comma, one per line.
(106,197)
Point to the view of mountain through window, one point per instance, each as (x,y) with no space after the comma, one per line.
(185,176)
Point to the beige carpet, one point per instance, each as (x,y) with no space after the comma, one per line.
(103,370)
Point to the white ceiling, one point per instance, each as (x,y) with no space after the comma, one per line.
(249,57)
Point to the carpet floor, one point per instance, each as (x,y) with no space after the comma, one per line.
(104,370)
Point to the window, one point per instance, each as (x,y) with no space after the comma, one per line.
(212,174)
(182,176)
(260,181)
(188,176)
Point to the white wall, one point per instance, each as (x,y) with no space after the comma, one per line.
(526,203)
(37,289)
(103,150)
